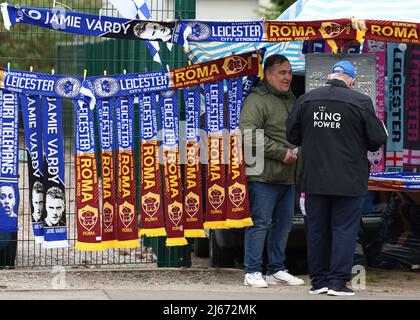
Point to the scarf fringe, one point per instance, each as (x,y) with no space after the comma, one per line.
(155,232)
(86,246)
(110,244)
(194,233)
(241,223)
(55,244)
(215,225)
(173,242)
(128,244)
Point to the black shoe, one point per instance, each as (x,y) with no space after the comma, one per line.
(340,291)
(318,290)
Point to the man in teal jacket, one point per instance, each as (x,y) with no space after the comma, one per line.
(271,187)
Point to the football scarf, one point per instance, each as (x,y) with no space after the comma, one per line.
(32,122)
(174,207)
(152,216)
(55,230)
(395,111)
(395,181)
(216,170)
(377,159)
(94,25)
(193,202)
(86,175)
(237,212)
(411,153)
(106,112)
(126,190)
(9,190)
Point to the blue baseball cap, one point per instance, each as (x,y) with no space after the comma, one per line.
(346,67)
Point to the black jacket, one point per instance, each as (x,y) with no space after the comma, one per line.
(336,127)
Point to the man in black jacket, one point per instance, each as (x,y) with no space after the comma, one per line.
(336,127)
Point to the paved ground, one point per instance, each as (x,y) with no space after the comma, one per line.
(184,284)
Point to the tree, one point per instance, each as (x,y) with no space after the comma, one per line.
(277,7)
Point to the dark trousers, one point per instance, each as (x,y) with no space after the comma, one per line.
(332,226)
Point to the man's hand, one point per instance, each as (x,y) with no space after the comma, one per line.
(290,157)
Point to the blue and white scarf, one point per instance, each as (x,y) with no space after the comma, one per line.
(94,25)
(55,230)
(9,191)
(395,108)
(32,122)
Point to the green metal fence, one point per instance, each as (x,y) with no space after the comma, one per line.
(44,50)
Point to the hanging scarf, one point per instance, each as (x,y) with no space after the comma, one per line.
(86,175)
(55,230)
(395,112)
(93,25)
(106,112)
(126,199)
(237,212)
(377,159)
(32,122)
(151,213)
(9,190)
(193,202)
(411,111)
(175,216)
(395,181)
(216,170)
(230,67)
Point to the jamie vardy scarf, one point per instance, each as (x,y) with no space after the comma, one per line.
(94,25)
(87,194)
(216,170)
(9,190)
(32,122)
(411,111)
(395,108)
(126,190)
(174,206)
(106,112)
(151,213)
(55,230)
(193,189)
(237,212)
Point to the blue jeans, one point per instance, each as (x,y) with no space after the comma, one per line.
(272,209)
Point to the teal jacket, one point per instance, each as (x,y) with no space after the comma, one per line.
(267,108)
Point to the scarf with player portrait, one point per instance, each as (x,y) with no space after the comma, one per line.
(152,209)
(216,169)
(88,221)
(32,122)
(174,207)
(106,119)
(193,189)
(54,218)
(9,190)
(126,190)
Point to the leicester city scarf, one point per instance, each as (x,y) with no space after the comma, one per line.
(87,194)
(152,215)
(55,230)
(32,122)
(9,191)
(395,108)
(377,158)
(175,217)
(411,110)
(193,202)
(126,190)
(237,212)
(105,111)
(94,25)
(216,170)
